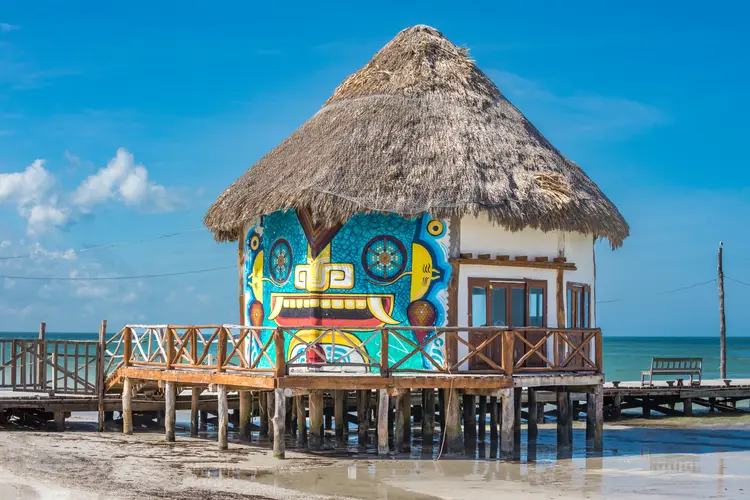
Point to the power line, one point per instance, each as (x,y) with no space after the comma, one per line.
(107,245)
(665,292)
(112,278)
(737,281)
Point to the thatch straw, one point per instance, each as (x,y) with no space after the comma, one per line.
(420,129)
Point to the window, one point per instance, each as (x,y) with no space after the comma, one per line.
(579,305)
(506,303)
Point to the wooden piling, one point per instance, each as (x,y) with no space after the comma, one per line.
(598,417)
(428,417)
(564,418)
(402,438)
(493,419)
(279,423)
(194,402)
(687,406)
(339,413)
(301,421)
(263,410)
(517,394)
(316,419)
(59,417)
(383,417)
(203,425)
(127,409)
(453,442)
(291,416)
(482,419)
(100,376)
(617,406)
(470,419)
(507,422)
(170,401)
(271,409)
(245,415)
(223,417)
(533,417)
(363,419)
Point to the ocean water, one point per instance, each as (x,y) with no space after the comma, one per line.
(624,357)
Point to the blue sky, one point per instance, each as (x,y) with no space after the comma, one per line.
(165,106)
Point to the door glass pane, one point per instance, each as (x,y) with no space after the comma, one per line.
(586,315)
(518,306)
(536,304)
(499,314)
(570,308)
(478,306)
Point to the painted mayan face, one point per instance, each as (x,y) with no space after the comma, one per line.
(374,271)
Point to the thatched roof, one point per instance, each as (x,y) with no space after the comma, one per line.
(420,129)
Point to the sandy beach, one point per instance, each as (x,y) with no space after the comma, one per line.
(668,458)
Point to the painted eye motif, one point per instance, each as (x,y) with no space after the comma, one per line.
(435,227)
(254,242)
(384,258)
(280,261)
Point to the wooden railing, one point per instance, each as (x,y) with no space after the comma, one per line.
(57,366)
(283,351)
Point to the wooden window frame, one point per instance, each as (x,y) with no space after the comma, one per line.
(577,288)
(508,284)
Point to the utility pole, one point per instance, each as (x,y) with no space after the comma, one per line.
(722,322)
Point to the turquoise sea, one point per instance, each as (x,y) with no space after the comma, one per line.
(624,357)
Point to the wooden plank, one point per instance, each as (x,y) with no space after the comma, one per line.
(383,411)
(316,419)
(453,442)
(560,302)
(223,417)
(170,396)
(127,413)
(258,382)
(516,263)
(333,382)
(279,422)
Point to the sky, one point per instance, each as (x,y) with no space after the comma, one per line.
(123,122)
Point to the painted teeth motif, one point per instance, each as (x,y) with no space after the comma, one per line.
(374,304)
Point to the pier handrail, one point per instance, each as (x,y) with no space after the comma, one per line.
(468,350)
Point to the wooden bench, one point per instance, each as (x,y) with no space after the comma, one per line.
(673,366)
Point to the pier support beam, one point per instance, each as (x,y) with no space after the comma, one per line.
(533,417)
(617,407)
(203,424)
(223,418)
(507,424)
(263,410)
(127,407)
(470,420)
(271,409)
(59,417)
(363,419)
(564,418)
(383,414)
(598,397)
(517,393)
(482,419)
(428,417)
(245,414)
(170,401)
(301,420)
(688,407)
(194,401)
(339,414)
(493,420)
(453,442)
(279,423)
(402,436)
(316,419)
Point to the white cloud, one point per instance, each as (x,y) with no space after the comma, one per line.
(38,198)
(122,179)
(9,283)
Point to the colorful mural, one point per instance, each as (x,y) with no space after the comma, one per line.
(376,270)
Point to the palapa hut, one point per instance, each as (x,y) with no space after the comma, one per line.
(417,195)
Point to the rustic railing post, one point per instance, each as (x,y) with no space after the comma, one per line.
(127,348)
(508,359)
(598,353)
(41,356)
(384,368)
(13,364)
(100,359)
(169,346)
(278,340)
(194,345)
(221,353)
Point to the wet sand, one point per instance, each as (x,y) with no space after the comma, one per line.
(664,458)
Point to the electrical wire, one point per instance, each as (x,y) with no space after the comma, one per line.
(665,292)
(113,278)
(736,280)
(107,245)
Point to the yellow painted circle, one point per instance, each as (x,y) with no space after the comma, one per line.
(435,227)
(254,242)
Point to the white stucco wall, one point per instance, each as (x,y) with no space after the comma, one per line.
(479,236)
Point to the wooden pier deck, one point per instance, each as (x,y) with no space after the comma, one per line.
(471,394)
